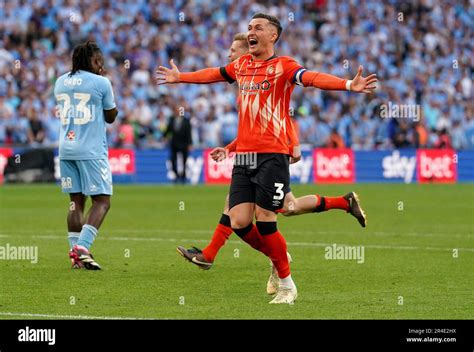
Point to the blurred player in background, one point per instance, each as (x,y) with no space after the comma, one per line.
(292,206)
(86,102)
(266,82)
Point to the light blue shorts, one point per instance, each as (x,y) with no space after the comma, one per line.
(89,177)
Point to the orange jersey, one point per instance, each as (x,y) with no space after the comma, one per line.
(292,136)
(265,89)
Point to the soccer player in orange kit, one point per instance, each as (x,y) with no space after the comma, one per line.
(266,82)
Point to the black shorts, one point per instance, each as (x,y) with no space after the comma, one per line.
(264,181)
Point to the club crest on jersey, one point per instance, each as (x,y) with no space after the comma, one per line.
(71,135)
(270,70)
(265,85)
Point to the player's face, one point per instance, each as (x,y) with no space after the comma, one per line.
(97,63)
(260,35)
(237,49)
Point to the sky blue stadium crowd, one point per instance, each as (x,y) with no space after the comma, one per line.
(422,52)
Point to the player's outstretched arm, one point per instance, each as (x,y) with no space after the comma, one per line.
(329,82)
(166,75)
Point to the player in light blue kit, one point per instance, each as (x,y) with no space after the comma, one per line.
(86,102)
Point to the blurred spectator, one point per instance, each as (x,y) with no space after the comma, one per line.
(444,140)
(420,135)
(425,60)
(228,123)
(210,132)
(458,135)
(126,135)
(335,140)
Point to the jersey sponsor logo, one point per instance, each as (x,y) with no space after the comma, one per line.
(333,165)
(436,165)
(397,166)
(253,88)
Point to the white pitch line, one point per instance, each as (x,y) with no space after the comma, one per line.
(296,244)
(60,316)
(317,232)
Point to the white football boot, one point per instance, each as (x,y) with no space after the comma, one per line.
(286,295)
(274,281)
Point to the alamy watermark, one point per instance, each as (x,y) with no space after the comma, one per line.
(343,252)
(237,159)
(37,335)
(246,159)
(9,252)
(400,111)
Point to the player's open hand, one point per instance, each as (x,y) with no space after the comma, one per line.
(218,154)
(165,75)
(363,84)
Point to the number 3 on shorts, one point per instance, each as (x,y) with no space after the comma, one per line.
(279,191)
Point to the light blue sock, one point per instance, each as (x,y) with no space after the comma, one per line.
(88,235)
(73,237)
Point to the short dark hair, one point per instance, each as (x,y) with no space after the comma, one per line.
(81,57)
(273,20)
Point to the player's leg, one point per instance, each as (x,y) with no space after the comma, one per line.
(242,207)
(99,209)
(205,258)
(241,198)
(71,184)
(315,204)
(272,184)
(243,213)
(97,182)
(221,234)
(297,206)
(75,217)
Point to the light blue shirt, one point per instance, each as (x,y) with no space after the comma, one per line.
(82,99)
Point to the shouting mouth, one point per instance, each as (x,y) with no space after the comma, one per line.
(252,43)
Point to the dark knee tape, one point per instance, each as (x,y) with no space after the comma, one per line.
(225,220)
(266,227)
(321,207)
(243,231)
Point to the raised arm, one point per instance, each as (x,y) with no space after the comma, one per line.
(329,82)
(207,75)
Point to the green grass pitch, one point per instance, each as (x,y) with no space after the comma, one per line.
(411,270)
